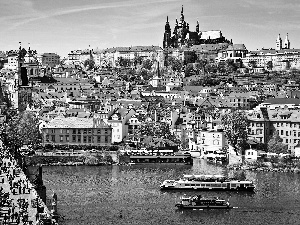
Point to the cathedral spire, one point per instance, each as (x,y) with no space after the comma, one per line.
(287,42)
(197,27)
(278,43)
(182,16)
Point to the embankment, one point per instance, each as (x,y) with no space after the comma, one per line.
(105,158)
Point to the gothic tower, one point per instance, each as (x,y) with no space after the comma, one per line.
(287,44)
(167,34)
(182,17)
(278,43)
(197,27)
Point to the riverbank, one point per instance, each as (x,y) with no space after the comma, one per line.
(88,159)
(277,165)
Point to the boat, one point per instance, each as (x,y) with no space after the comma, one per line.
(161,156)
(208,182)
(199,202)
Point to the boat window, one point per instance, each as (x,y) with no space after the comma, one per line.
(202,185)
(187,184)
(233,185)
(192,184)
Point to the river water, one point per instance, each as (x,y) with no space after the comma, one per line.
(131,195)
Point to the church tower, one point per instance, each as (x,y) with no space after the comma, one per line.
(167,34)
(287,43)
(197,27)
(278,43)
(182,17)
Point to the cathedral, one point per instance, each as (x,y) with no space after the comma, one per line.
(182,36)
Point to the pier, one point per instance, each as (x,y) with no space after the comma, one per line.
(19,201)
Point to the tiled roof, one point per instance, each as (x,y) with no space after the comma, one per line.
(236,47)
(210,47)
(70,122)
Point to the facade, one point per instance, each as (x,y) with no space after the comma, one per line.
(118,120)
(265,120)
(109,57)
(207,141)
(12,60)
(77,131)
(280,58)
(50,59)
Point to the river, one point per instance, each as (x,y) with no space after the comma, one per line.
(131,195)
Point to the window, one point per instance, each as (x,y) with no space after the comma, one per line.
(99,139)
(67,131)
(84,131)
(84,139)
(79,138)
(47,137)
(106,139)
(74,138)
(61,131)
(287,133)
(98,131)
(89,139)
(67,138)
(78,131)
(53,138)
(61,138)
(89,131)
(74,131)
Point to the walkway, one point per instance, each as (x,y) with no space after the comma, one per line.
(19,201)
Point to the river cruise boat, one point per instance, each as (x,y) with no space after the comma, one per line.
(208,182)
(199,202)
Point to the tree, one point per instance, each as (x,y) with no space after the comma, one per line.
(89,64)
(156,129)
(269,65)
(252,64)
(230,66)
(21,129)
(147,64)
(123,62)
(202,64)
(175,64)
(275,144)
(137,60)
(235,126)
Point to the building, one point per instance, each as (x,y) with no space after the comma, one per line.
(276,115)
(207,141)
(50,59)
(77,131)
(183,36)
(118,120)
(278,59)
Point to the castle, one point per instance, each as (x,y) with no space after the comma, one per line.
(182,36)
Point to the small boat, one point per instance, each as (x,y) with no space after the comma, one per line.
(199,202)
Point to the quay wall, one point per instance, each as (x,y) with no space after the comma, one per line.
(93,159)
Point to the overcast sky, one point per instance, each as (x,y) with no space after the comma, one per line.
(64,25)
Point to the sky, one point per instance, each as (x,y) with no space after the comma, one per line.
(60,26)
